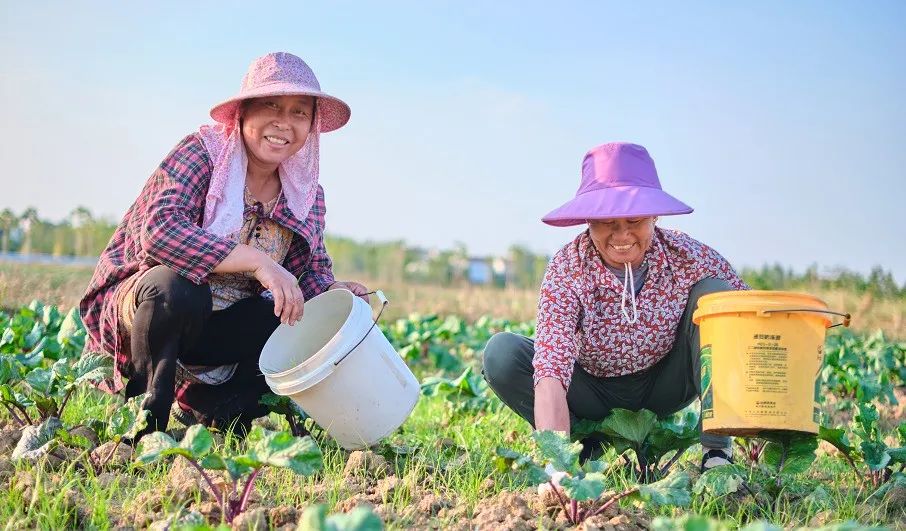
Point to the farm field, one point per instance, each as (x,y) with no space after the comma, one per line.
(63,286)
(557,195)
(461,461)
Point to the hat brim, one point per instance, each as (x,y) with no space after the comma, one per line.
(334,111)
(616,202)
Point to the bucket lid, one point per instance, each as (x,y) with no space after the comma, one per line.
(760,302)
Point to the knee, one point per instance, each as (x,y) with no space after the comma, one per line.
(707,286)
(260,311)
(174,295)
(501,355)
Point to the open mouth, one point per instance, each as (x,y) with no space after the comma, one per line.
(276,140)
(622,248)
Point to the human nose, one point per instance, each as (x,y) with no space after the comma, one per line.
(283,118)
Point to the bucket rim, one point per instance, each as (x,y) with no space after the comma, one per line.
(757,301)
(318,362)
(752,293)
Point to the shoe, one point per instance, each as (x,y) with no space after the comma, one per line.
(714,457)
(186,418)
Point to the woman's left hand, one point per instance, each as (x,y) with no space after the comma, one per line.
(354,287)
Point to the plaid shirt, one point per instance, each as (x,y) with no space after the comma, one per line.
(163,227)
(579,317)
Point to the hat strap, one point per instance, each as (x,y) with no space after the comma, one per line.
(629,286)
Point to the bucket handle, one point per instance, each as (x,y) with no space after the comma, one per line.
(847,318)
(384,303)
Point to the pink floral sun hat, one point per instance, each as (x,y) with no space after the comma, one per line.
(619,180)
(284,74)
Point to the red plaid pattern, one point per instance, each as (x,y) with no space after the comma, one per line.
(163,226)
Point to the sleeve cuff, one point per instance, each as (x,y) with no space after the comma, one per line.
(550,373)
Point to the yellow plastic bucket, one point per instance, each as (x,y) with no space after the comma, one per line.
(761,356)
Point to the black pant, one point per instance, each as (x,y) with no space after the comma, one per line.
(174,321)
(667,387)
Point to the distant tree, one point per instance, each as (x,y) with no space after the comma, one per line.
(82,222)
(28,221)
(8,223)
(526,269)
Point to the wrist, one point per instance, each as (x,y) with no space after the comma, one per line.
(260,259)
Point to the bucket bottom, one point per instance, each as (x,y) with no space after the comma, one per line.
(751,432)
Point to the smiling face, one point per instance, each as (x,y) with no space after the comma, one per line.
(622,241)
(275,128)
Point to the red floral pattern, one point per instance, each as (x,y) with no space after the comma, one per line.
(579,316)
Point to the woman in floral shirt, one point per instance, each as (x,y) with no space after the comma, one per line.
(615,313)
(223,244)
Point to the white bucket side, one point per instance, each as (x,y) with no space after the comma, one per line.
(364,398)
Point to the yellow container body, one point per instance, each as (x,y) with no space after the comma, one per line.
(762,353)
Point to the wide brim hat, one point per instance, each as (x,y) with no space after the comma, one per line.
(284,74)
(619,180)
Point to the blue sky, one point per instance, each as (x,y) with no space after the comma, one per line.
(783,124)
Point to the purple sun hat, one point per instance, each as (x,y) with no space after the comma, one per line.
(619,180)
(284,74)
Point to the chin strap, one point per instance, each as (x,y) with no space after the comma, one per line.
(629,288)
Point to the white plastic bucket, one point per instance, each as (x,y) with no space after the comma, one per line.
(341,370)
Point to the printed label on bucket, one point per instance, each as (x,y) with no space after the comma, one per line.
(767,365)
(707,390)
(767,371)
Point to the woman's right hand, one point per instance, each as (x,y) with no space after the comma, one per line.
(546,489)
(288,298)
(551,408)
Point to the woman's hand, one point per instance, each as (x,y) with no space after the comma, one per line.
(551,413)
(356,288)
(551,409)
(546,489)
(288,298)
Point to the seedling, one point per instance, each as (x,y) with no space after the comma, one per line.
(265,448)
(585,483)
(648,438)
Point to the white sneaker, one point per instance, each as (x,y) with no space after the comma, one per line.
(713,457)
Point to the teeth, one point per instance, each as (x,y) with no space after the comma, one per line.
(277,140)
(622,247)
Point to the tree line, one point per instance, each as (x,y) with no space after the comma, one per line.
(82,234)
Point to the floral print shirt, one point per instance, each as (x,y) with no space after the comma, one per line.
(579,316)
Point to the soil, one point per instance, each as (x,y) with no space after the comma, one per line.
(185,482)
(88,433)
(251,520)
(122,456)
(366,463)
(9,437)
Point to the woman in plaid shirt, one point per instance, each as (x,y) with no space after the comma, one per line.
(615,323)
(225,242)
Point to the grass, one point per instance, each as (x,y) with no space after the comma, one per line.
(51,507)
(63,286)
(435,452)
